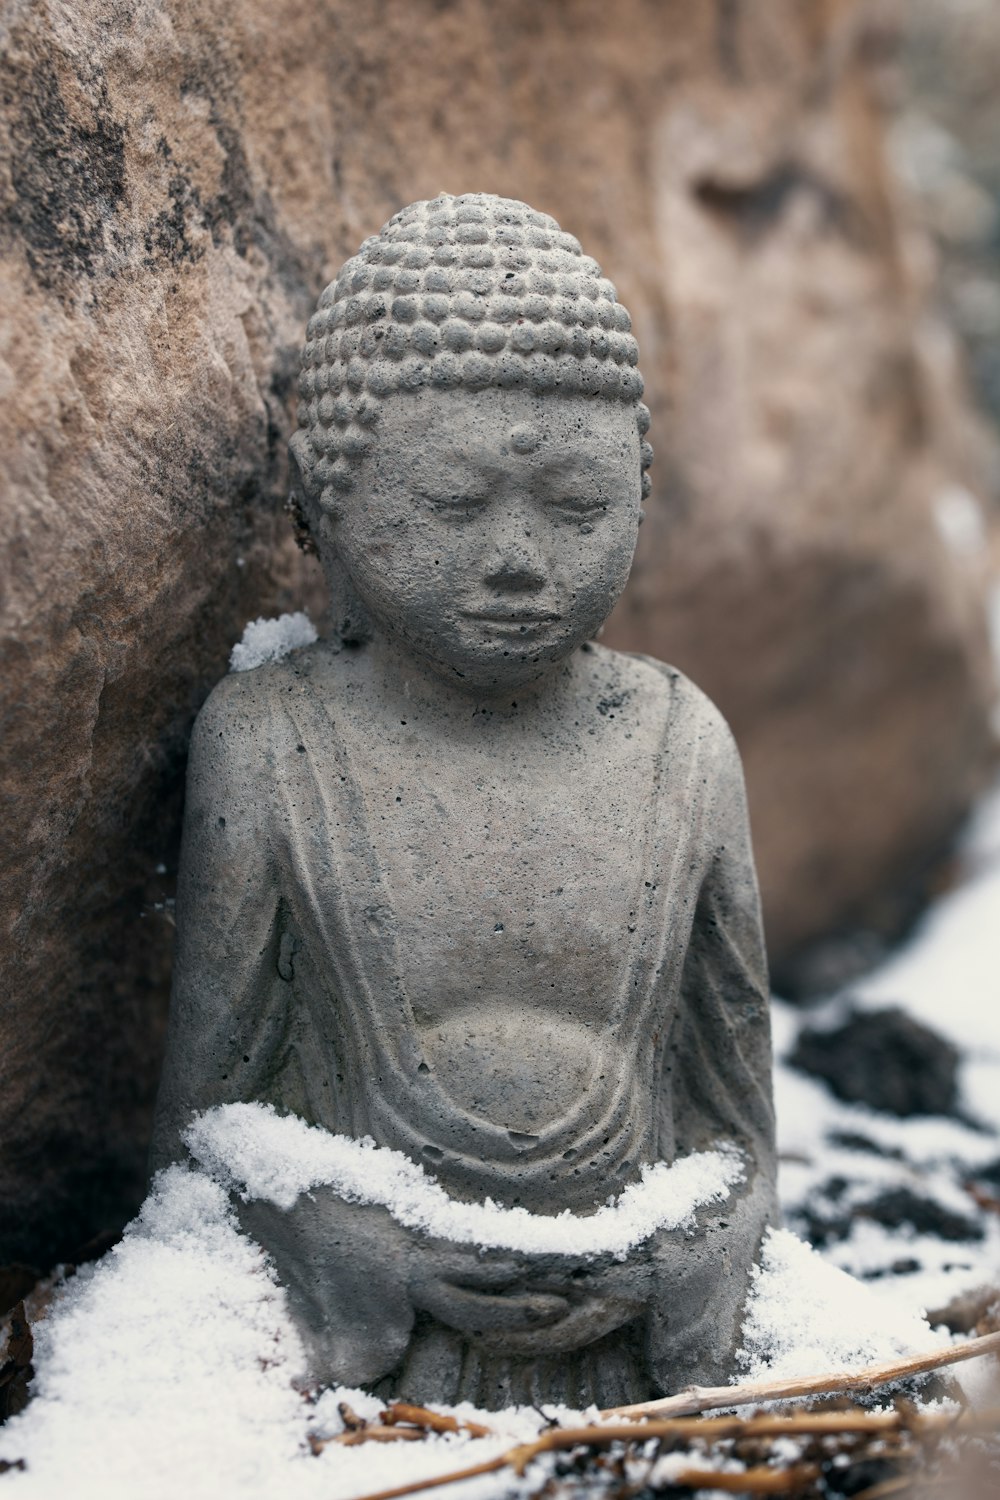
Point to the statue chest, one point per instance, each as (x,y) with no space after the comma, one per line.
(515,896)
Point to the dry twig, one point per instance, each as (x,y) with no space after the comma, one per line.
(373,1434)
(352,1422)
(472,1472)
(604,1434)
(756,1481)
(656,1420)
(707,1397)
(434,1421)
(400,1422)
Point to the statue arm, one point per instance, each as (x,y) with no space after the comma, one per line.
(719,1050)
(233,1026)
(228,1004)
(717,1087)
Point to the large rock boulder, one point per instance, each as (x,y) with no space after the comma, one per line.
(180,178)
(815,555)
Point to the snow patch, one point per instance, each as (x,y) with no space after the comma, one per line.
(804,1316)
(170,1368)
(173,1349)
(835,1158)
(270,640)
(262,1154)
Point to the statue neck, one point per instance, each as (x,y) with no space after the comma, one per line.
(351,624)
(398,670)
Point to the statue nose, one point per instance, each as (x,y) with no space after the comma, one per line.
(516,567)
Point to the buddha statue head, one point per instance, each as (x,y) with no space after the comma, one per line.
(471,457)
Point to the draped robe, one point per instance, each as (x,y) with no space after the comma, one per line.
(289,988)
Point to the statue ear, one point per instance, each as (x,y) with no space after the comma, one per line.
(308,492)
(301,460)
(303,501)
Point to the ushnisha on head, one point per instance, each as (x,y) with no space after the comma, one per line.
(470,334)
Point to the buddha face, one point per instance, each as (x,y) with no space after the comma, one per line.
(490,533)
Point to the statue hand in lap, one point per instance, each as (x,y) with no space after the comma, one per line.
(345,1267)
(357,1279)
(462,881)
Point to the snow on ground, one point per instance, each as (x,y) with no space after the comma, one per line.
(168,1369)
(805,1316)
(171,1367)
(948,977)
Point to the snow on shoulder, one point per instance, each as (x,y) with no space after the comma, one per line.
(261,1154)
(270,640)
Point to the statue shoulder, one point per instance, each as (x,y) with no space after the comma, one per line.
(705,724)
(686,711)
(245,720)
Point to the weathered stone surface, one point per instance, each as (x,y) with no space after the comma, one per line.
(462,882)
(180,180)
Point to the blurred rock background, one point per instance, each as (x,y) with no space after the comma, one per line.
(944,142)
(796,199)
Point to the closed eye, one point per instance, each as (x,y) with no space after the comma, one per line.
(578,507)
(458,505)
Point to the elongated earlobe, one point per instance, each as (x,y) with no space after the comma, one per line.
(314,504)
(301,484)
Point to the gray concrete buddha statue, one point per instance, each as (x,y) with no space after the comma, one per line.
(461,880)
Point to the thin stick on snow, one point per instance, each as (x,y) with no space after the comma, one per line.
(400,1422)
(602,1435)
(748,1481)
(709,1397)
(756,1481)
(472,1472)
(372,1434)
(422,1416)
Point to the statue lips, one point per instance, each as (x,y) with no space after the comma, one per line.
(516,621)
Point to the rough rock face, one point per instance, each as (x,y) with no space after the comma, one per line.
(814,565)
(180,179)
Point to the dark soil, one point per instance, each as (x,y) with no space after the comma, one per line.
(886,1060)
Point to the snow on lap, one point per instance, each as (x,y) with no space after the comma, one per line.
(262,1154)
